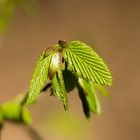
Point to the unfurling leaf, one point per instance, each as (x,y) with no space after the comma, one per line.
(26,116)
(54,64)
(90,96)
(39,77)
(14,111)
(58,88)
(102,89)
(84,101)
(69,80)
(84,62)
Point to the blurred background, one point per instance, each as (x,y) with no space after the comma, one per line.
(112,27)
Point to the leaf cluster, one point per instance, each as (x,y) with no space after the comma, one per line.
(67,66)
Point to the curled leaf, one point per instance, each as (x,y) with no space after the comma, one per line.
(14,111)
(90,95)
(58,88)
(69,80)
(54,64)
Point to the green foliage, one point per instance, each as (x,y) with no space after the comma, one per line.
(58,88)
(55,74)
(69,80)
(14,111)
(101,89)
(86,63)
(88,93)
(67,66)
(26,116)
(39,77)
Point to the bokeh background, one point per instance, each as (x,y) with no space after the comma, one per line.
(112,27)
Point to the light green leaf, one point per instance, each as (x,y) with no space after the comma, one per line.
(90,95)
(86,63)
(58,88)
(13,111)
(102,89)
(39,77)
(26,116)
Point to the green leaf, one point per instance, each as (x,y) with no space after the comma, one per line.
(90,95)
(86,63)
(39,77)
(69,80)
(84,101)
(58,88)
(26,116)
(102,89)
(13,111)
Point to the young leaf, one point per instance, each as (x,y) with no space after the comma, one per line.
(10,111)
(86,63)
(90,95)
(39,77)
(84,101)
(69,80)
(26,116)
(54,64)
(58,88)
(13,111)
(101,89)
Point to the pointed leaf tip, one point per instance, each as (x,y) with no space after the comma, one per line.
(54,64)
(86,63)
(39,77)
(58,88)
